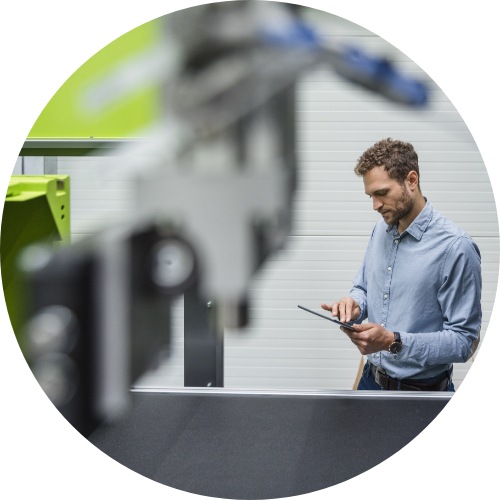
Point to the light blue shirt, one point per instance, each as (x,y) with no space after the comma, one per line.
(426,284)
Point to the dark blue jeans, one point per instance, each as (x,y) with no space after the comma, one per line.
(367,381)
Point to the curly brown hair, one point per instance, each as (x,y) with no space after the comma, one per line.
(397,157)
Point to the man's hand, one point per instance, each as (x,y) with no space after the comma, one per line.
(346,309)
(370,338)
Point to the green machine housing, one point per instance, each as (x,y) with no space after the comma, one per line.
(36,210)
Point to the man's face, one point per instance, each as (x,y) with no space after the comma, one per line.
(391,199)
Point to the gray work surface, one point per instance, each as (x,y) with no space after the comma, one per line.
(262,445)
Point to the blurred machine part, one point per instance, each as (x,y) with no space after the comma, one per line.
(215,187)
(36,208)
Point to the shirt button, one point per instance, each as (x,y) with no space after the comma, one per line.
(382,325)
(385,295)
(389,268)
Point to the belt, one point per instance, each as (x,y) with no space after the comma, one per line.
(392,384)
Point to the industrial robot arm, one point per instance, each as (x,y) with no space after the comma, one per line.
(215,187)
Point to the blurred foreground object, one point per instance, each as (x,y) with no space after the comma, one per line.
(215,187)
(36,210)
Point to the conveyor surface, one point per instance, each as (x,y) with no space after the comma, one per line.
(263,444)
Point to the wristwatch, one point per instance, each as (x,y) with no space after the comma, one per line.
(397,345)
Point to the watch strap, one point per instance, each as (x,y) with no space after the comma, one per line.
(397,345)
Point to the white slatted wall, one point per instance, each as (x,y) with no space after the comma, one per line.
(285,347)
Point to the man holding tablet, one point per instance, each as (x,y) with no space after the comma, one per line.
(419,285)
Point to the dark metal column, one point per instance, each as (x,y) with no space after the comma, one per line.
(203,343)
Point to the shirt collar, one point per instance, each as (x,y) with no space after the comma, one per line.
(418,227)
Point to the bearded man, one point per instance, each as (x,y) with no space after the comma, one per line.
(419,285)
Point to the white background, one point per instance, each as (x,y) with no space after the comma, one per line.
(43,43)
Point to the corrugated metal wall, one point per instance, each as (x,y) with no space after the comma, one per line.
(285,347)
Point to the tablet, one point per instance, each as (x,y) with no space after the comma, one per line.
(345,325)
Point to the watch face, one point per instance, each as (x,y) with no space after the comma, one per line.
(395,347)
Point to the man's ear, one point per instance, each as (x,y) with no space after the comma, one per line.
(412,179)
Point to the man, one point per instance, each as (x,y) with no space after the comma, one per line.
(419,284)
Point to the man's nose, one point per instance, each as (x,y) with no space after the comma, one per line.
(377,204)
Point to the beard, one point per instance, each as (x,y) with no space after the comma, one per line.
(403,207)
